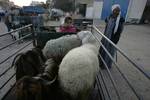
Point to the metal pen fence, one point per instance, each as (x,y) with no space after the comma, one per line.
(12,55)
(101,77)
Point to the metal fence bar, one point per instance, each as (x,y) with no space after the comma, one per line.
(7,81)
(125,55)
(15,53)
(13,74)
(99,85)
(5,71)
(15,42)
(111,78)
(116,56)
(109,73)
(126,79)
(101,93)
(15,30)
(11,66)
(3,98)
(105,86)
(12,56)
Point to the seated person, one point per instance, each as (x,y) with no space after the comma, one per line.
(68,26)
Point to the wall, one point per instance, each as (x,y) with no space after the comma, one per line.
(106,11)
(89,12)
(89,2)
(98,5)
(89,7)
(135,10)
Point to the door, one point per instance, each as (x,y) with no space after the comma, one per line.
(82,9)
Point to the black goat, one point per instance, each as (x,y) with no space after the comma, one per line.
(29,63)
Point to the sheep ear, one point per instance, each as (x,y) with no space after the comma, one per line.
(51,82)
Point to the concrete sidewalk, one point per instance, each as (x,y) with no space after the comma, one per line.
(135,41)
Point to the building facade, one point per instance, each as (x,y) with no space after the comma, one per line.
(131,10)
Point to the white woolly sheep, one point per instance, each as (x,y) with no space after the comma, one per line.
(77,71)
(87,37)
(58,48)
(79,67)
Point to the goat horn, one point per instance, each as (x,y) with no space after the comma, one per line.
(50,82)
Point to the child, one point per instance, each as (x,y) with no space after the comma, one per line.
(67,26)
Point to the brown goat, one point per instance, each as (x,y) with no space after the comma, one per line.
(36,88)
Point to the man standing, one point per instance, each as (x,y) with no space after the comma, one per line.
(113,29)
